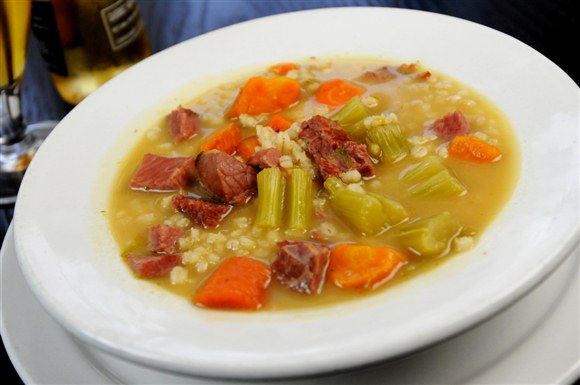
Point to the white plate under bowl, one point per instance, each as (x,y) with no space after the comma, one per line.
(543,326)
(72,264)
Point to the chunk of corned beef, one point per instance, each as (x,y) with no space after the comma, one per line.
(451,125)
(267,158)
(333,152)
(202,213)
(358,155)
(328,167)
(224,176)
(164,238)
(302,265)
(423,76)
(407,69)
(161,173)
(380,75)
(183,124)
(153,266)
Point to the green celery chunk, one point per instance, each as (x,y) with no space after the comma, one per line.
(356,131)
(390,139)
(270,198)
(429,236)
(393,211)
(352,112)
(361,211)
(439,185)
(351,116)
(333,185)
(428,167)
(300,200)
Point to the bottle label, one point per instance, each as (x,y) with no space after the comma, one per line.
(44,28)
(122,23)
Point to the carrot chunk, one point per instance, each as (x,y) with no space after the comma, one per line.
(279,123)
(362,267)
(473,149)
(283,68)
(238,283)
(262,95)
(337,92)
(247,147)
(226,140)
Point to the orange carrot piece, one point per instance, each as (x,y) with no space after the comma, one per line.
(265,95)
(247,147)
(473,149)
(362,267)
(226,139)
(279,123)
(238,283)
(283,68)
(337,92)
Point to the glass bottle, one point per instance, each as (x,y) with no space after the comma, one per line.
(87,42)
(18,141)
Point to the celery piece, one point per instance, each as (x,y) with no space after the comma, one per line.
(352,112)
(333,185)
(439,185)
(356,131)
(393,211)
(428,167)
(351,117)
(300,200)
(361,211)
(429,236)
(390,139)
(368,213)
(270,198)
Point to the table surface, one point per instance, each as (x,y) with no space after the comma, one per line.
(545,25)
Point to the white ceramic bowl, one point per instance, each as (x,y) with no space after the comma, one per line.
(70,261)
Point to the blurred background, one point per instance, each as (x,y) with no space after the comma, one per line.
(548,26)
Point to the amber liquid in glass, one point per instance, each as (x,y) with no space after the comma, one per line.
(86,43)
(16,147)
(14,27)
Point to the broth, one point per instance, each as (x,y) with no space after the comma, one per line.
(417,99)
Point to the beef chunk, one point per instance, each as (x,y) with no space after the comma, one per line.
(302,265)
(451,125)
(269,157)
(332,150)
(423,76)
(407,69)
(163,174)
(226,177)
(163,238)
(358,156)
(183,124)
(380,75)
(153,266)
(203,213)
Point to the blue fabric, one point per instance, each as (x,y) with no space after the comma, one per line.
(170,22)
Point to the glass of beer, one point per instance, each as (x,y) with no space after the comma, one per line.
(86,43)
(18,142)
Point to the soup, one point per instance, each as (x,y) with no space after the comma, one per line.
(312,183)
